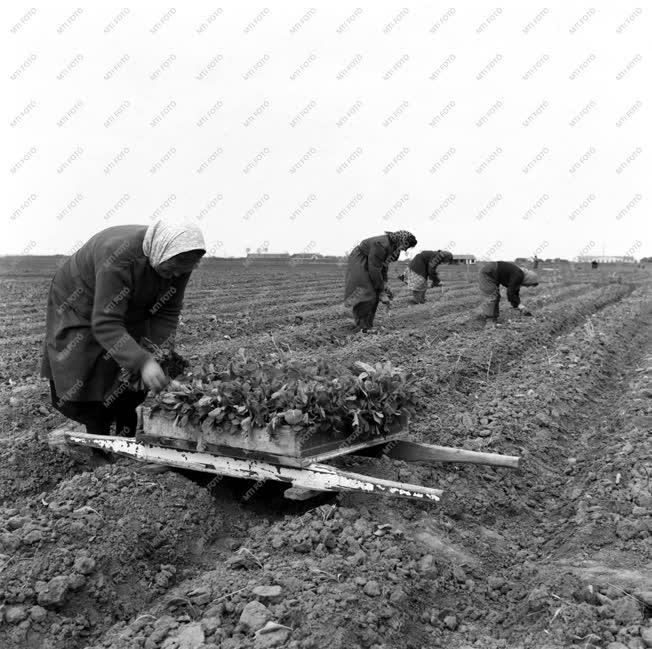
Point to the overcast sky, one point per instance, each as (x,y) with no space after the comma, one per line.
(496,132)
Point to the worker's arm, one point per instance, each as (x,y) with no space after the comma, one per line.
(376,266)
(166,311)
(113,288)
(514,287)
(432,274)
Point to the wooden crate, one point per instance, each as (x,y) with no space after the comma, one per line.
(285,446)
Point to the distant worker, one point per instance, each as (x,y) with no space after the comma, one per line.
(535,262)
(495,274)
(366,275)
(594,264)
(422,268)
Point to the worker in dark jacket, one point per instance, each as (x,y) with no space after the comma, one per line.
(422,268)
(366,275)
(495,274)
(124,284)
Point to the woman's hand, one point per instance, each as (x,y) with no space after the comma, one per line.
(153,375)
(523,310)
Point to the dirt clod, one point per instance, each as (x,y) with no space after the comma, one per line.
(372,588)
(15,614)
(254,616)
(627,611)
(646,636)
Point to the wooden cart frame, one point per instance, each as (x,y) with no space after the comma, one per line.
(283,456)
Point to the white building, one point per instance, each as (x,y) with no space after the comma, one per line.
(464,259)
(606,259)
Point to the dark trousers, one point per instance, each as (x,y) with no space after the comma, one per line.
(98,416)
(364,313)
(419,297)
(490,289)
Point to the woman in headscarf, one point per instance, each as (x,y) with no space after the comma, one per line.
(123,285)
(366,275)
(495,274)
(422,268)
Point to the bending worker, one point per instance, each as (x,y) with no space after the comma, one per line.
(503,273)
(366,275)
(124,284)
(422,268)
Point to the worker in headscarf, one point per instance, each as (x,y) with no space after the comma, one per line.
(495,274)
(124,285)
(366,275)
(423,267)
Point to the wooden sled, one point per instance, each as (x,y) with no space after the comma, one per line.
(285,456)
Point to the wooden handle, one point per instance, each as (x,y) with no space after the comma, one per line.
(414,452)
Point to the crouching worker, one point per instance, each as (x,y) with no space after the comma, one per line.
(422,268)
(366,275)
(503,273)
(124,284)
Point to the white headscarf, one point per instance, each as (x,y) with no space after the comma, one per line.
(530,278)
(165,239)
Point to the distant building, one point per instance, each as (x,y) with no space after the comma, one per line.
(464,259)
(606,259)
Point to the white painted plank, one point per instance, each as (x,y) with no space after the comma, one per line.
(315,476)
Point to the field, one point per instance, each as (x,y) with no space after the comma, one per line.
(556,554)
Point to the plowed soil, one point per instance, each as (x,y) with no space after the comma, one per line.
(555,554)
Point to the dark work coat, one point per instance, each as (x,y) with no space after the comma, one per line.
(425,264)
(104,299)
(511,276)
(367,270)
